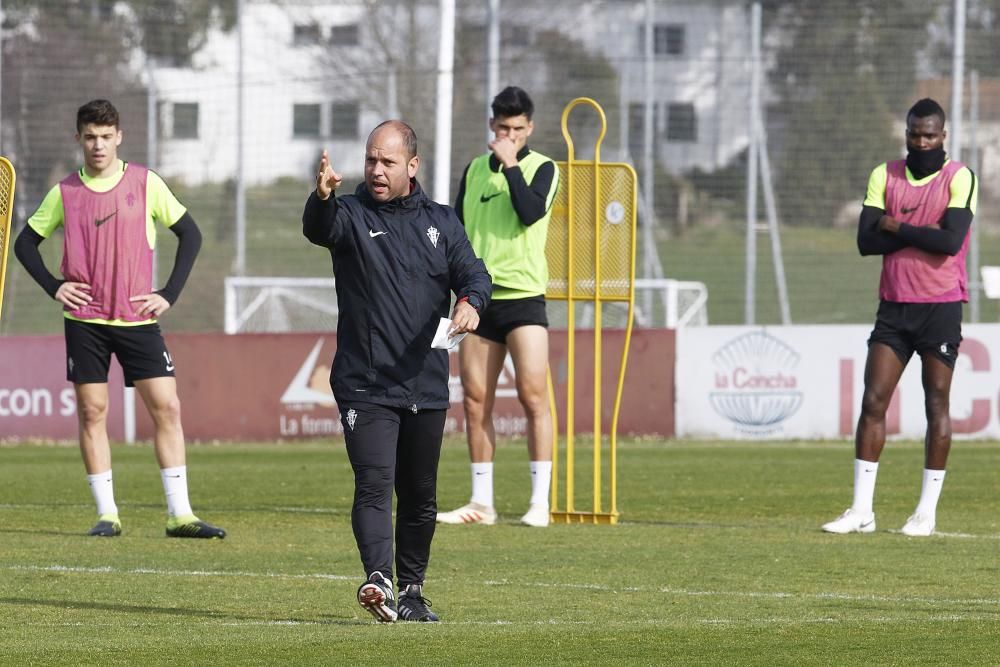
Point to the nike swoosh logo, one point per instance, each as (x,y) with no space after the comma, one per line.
(909,210)
(98,223)
(865,525)
(484,198)
(373,233)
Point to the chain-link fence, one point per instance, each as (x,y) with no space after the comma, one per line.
(232,101)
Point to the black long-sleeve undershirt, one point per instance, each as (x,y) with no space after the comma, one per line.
(872,240)
(946,239)
(188,245)
(26,251)
(529,200)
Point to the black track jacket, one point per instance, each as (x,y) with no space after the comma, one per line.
(396,264)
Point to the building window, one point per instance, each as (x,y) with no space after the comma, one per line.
(305,120)
(345,35)
(185,120)
(669,39)
(682,123)
(344,119)
(305,34)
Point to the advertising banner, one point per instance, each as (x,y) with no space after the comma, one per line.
(36,401)
(807,382)
(276,386)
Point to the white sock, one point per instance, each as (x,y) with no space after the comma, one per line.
(541,478)
(930,491)
(864,485)
(103,490)
(175,486)
(482,483)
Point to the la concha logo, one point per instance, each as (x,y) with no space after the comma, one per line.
(756,384)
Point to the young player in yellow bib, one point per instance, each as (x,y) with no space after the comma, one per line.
(108,211)
(505,202)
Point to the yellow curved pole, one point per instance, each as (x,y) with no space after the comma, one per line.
(8,180)
(621,374)
(571,311)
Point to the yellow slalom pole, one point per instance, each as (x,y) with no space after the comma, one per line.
(8,180)
(571,320)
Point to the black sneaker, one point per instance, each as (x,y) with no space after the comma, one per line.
(413,606)
(375,595)
(107,525)
(192,526)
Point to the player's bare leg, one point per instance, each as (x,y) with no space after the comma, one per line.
(92,414)
(529,349)
(480,361)
(936,377)
(160,397)
(882,372)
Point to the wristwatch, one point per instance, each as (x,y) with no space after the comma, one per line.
(473,301)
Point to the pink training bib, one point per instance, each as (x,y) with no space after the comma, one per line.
(912,275)
(105,244)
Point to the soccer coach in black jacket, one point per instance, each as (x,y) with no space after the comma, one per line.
(397,256)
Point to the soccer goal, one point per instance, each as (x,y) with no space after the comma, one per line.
(280,304)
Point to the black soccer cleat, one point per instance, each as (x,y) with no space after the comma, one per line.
(413,606)
(193,527)
(375,595)
(107,525)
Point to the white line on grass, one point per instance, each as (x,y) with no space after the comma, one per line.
(287,510)
(664,622)
(666,590)
(175,573)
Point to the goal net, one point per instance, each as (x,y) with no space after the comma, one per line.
(277,304)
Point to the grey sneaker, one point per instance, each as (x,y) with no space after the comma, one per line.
(375,595)
(413,606)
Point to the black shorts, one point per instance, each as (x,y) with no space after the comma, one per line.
(141,352)
(504,315)
(920,327)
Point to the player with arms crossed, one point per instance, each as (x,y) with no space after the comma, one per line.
(505,201)
(917,215)
(108,210)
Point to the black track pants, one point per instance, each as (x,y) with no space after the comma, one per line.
(393,448)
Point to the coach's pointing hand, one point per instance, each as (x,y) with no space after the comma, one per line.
(327,180)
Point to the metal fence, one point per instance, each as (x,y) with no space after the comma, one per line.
(753,127)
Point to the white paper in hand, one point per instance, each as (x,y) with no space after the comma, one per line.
(442,340)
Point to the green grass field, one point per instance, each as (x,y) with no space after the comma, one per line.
(718,560)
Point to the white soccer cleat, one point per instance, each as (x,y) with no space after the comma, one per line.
(537,516)
(471,513)
(918,525)
(851,522)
